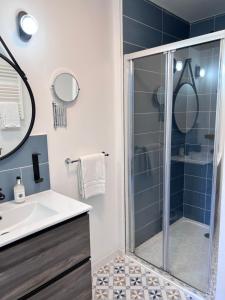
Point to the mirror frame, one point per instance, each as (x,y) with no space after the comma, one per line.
(33,113)
(174,100)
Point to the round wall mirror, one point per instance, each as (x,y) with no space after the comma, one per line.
(17,108)
(186,107)
(65,87)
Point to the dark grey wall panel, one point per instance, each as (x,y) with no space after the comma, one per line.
(144,12)
(147,140)
(146,180)
(20,164)
(148,25)
(194,213)
(147,215)
(208,25)
(167,39)
(146,81)
(144,103)
(194,199)
(144,123)
(129,48)
(148,231)
(146,161)
(220,22)
(175,26)
(146,198)
(202,27)
(140,34)
(22,157)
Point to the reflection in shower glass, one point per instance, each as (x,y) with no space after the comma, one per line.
(192,142)
(187,255)
(148,122)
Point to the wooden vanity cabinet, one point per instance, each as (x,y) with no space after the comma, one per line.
(51,264)
(74,285)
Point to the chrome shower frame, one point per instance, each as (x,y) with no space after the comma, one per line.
(168,50)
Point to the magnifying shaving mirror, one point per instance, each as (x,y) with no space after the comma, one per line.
(65,90)
(65,87)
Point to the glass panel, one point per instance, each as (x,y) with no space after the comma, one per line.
(192,147)
(148,131)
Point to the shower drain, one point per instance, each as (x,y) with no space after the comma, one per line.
(206,235)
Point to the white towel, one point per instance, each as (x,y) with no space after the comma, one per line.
(92,175)
(9,115)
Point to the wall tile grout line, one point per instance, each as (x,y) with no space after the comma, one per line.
(141,23)
(23,167)
(22,157)
(134,44)
(153,28)
(146,207)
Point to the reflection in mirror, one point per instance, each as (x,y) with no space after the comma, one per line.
(17,108)
(158,100)
(186,107)
(66,87)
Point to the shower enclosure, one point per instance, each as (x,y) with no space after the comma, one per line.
(173,107)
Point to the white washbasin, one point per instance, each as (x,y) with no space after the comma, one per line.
(23,215)
(39,211)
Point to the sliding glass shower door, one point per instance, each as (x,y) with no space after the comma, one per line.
(148,144)
(173,101)
(192,153)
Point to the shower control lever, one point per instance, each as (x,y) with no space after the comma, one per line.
(36,168)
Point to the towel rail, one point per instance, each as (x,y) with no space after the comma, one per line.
(69,161)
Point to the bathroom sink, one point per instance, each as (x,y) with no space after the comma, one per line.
(38,212)
(200,158)
(23,215)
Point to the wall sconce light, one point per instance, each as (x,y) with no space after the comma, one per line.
(27,26)
(199,72)
(178,65)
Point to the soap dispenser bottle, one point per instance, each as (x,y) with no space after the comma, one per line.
(19,191)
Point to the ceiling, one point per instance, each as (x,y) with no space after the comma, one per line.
(193,10)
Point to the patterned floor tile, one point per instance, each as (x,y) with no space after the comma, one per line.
(124,279)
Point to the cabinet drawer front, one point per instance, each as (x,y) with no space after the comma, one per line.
(75,285)
(31,263)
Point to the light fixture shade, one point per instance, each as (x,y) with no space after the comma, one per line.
(202,72)
(179,65)
(199,72)
(27,25)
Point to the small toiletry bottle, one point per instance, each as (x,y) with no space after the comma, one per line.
(19,191)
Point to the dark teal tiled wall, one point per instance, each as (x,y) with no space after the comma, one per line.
(208,25)
(146,25)
(20,164)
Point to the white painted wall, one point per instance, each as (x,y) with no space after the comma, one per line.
(81,35)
